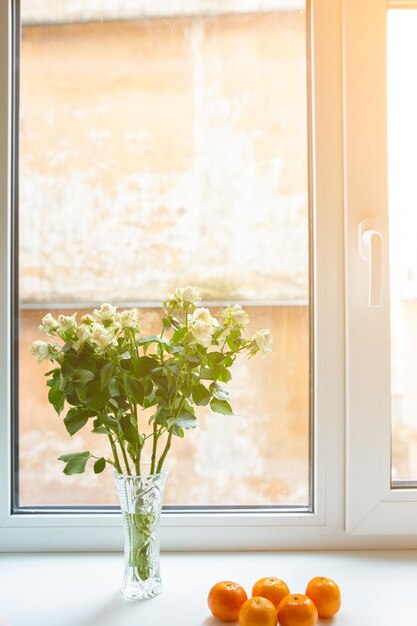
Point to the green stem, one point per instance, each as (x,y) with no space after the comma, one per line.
(93,456)
(120,440)
(138,447)
(134,413)
(115,455)
(168,443)
(137,462)
(154,447)
(165,452)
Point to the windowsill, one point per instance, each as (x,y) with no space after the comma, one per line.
(378,587)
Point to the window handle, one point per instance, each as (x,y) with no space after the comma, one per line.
(370,249)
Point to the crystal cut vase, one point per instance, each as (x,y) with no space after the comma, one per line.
(141,504)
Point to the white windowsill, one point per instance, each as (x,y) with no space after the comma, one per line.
(378,587)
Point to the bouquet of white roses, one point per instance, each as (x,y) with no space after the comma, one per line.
(106,373)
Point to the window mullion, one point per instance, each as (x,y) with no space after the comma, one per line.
(368,354)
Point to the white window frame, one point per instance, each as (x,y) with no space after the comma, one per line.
(373,506)
(342,499)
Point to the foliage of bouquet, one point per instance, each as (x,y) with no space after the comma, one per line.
(106,373)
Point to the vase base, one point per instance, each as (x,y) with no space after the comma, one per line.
(141,591)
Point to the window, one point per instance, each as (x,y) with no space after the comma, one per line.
(281,139)
(158,151)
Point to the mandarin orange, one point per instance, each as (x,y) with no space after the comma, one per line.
(258,611)
(297,610)
(225,599)
(325,594)
(273,589)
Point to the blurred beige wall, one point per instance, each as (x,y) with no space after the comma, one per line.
(159,151)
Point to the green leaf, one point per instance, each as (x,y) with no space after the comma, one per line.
(179,335)
(152,339)
(171,367)
(99,465)
(77,418)
(145,365)
(106,373)
(57,398)
(161,377)
(113,388)
(178,431)
(208,373)
(166,323)
(75,463)
(218,391)
(81,391)
(201,354)
(175,323)
(132,448)
(150,400)
(96,398)
(70,395)
(160,417)
(193,359)
(106,420)
(62,382)
(224,374)
(234,340)
(128,429)
(126,363)
(135,389)
(221,406)
(56,375)
(119,403)
(82,376)
(186,420)
(100,430)
(201,395)
(215,357)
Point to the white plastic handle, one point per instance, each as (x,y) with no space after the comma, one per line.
(370,249)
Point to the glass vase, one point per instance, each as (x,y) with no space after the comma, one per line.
(141,504)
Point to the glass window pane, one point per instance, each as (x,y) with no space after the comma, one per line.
(160,150)
(402,144)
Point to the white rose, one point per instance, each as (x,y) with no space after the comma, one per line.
(186,295)
(202,332)
(66,322)
(239,316)
(105,312)
(88,319)
(263,340)
(100,336)
(42,350)
(190,295)
(49,324)
(128,318)
(204,315)
(83,334)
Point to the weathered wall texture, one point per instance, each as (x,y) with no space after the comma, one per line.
(156,152)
